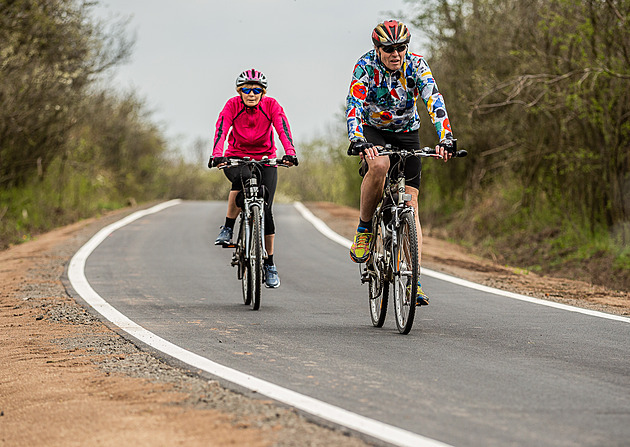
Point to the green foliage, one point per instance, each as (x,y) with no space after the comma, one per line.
(325,173)
(50,55)
(185,181)
(538,92)
(63,196)
(68,150)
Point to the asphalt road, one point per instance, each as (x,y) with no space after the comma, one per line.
(477,369)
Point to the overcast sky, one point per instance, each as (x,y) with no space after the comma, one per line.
(188,53)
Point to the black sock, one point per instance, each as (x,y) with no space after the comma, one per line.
(364,227)
(229,223)
(269,260)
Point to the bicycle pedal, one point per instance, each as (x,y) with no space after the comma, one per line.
(228,245)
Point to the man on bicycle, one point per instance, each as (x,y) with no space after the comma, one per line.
(381,109)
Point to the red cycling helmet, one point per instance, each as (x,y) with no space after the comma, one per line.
(251,77)
(390,32)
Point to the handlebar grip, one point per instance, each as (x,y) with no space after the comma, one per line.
(458,154)
(430,151)
(356,147)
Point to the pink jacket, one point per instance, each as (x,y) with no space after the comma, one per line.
(252,135)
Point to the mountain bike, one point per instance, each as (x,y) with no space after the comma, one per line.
(394,247)
(249,248)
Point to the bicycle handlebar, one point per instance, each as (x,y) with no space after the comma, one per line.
(426,151)
(250,161)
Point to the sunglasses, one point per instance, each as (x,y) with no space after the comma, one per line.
(391,49)
(255,90)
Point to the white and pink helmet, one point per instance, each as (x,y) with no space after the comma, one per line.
(251,77)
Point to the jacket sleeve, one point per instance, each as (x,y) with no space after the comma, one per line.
(356,100)
(433,101)
(281,124)
(224,122)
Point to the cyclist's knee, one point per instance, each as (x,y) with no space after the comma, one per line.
(379,166)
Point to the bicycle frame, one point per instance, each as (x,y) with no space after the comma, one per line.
(251,192)
(251,198)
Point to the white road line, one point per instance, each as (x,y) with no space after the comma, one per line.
(370,427)
(326,231)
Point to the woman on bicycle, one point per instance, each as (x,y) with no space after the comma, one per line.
(381,109)
(251,116)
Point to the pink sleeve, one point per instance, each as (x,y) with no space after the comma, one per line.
(226,117)
(281,123)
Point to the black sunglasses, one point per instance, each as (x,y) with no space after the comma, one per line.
(248,90)
(390,49)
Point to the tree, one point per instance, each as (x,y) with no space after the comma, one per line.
(51,54)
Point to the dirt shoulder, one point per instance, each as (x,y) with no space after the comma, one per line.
(67,379)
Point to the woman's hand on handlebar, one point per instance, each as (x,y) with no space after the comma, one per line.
(217,162)
(290,160)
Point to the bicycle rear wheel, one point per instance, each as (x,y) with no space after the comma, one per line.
(406,275)
(256,257)
(378,286)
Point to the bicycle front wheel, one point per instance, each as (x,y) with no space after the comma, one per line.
(406,274)
(378,286)
(256,257)
(243,265)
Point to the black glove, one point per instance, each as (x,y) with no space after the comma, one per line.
(356,147)
(210,162)
(450,145)
(291,159)
(216,161)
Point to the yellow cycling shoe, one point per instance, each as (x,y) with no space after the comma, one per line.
(421,298)
(360,250)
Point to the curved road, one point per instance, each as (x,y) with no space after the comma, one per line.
(477,369)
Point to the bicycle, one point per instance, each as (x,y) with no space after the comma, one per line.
(249,248)
(394,247)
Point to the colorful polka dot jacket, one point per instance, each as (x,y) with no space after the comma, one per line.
(387,100)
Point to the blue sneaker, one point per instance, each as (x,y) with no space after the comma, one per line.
(225,236)
(271,276)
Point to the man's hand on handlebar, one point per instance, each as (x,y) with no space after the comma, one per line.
(357,147)
(364,149)
(446,149)
(370,153)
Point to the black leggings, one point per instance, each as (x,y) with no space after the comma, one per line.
(406,140)
(238,174)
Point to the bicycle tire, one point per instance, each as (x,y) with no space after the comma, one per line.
(378,287)
(243,266)
(406,274)
(256,256)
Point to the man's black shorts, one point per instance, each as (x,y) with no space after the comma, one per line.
(406,140)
